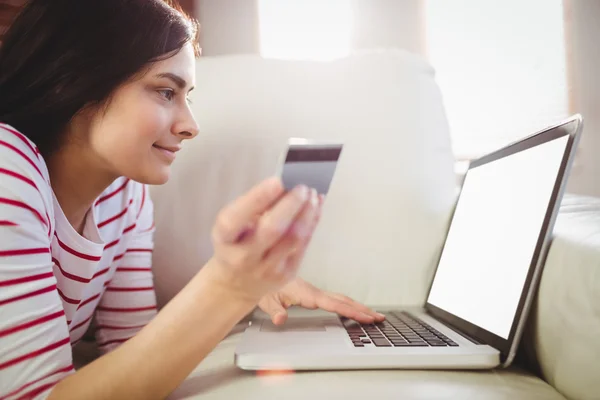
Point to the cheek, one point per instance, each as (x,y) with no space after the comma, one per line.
(135,129)
(148,122)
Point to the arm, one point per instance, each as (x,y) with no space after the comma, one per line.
(255,240)
(161,355)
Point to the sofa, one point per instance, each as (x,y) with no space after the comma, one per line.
(382,228)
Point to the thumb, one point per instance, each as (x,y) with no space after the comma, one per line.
(272,306)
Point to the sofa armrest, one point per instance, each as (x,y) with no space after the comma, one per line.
(564,334)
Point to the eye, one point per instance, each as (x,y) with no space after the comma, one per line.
(168,94)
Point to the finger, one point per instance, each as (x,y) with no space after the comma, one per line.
(361,307)
(275,224)
(272,306)
(243,212)
(305,224)
(277,258)
(334,305)
(308,220)
(321,199)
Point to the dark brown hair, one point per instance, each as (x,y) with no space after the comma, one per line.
(60,56)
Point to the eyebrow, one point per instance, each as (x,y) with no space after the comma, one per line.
(179,81)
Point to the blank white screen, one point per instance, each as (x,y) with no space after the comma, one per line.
(493,235)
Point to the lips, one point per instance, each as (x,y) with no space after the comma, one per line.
(167,153)
(172,149)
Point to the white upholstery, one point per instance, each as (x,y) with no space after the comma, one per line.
(564,337)
(391,196)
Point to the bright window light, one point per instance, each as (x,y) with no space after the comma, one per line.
(501,66)
(305,29)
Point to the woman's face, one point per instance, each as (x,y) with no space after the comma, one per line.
(146,121)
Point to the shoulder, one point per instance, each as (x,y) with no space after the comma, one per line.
(25,182)
(17,150)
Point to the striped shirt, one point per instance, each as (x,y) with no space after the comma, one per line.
(54,282)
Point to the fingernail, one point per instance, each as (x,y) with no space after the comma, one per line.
(302,192)
(380,315)
(314,198)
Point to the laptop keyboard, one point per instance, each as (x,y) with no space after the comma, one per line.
(400,329)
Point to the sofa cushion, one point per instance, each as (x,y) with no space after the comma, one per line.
(217,378)
(564,334)
(390,199)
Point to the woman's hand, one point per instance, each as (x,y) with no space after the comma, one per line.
(260,239)
(303,294)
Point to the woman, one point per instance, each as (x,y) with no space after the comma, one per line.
(94,106)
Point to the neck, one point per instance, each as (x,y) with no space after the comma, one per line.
(77,182)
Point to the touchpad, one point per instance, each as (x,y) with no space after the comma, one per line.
(314,324)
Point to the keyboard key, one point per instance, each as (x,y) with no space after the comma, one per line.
(382,343)
(436,342)
(411,345)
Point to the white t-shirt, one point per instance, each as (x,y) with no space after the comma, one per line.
(53,281)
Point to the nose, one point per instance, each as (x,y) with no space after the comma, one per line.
(186,126)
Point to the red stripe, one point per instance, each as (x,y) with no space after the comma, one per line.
(18,176)
(132,269)
(31,394)
(108,196)
(35,322)
(82,323)
(113,309)
(138,251)
(23,252)
(23,139)
(151,227)
(33,354)
(101,272)
(118,257)
(20,204)
(89,300)
(30,278)
(118,328)
(129,289)
(112,341)
(106,283)
(143,201)
(116,217)
(75,252)
(67,299)
(111,244)
(28,295)
(68,275)
(60,371)
(129,228)
(49,225)
(19,152)
(7,223)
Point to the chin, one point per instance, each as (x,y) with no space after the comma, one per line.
(153,177)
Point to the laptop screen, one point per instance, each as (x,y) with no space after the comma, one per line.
(493,236)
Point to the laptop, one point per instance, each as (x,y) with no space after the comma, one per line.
(483,287)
